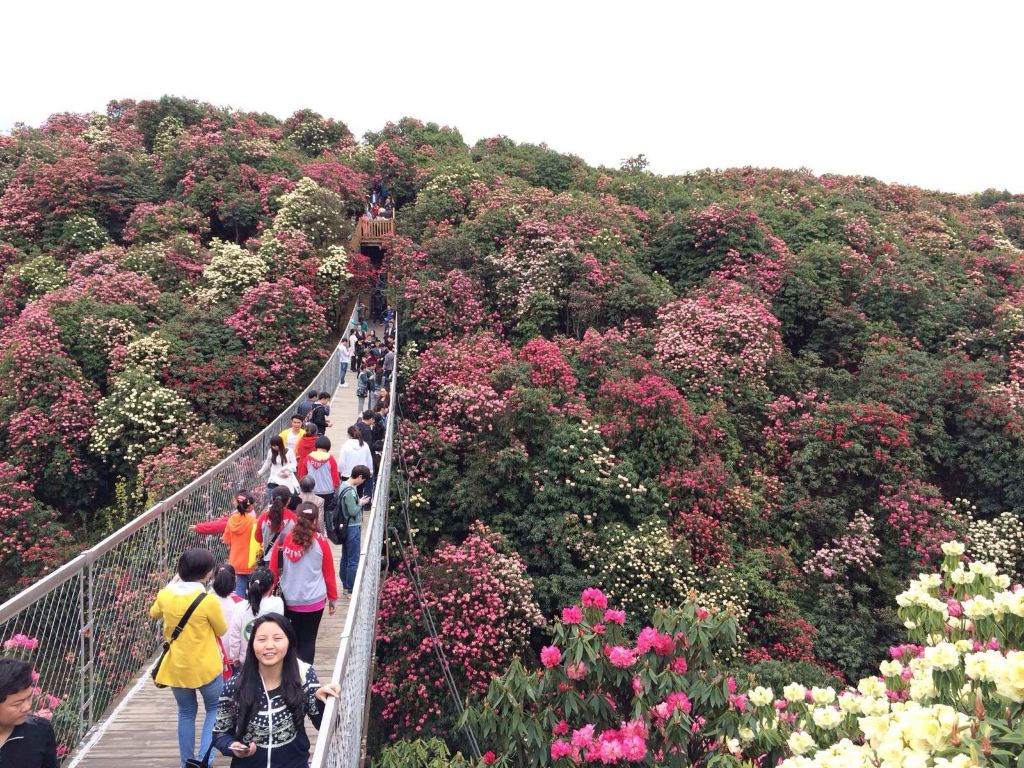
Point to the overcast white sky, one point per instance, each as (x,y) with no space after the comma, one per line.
(913,92)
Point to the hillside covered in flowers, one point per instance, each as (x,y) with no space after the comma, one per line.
(667,444)
(765,392)
(170,274)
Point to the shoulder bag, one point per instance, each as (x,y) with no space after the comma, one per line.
(174,636)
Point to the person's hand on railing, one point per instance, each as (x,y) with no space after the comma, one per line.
(329,690)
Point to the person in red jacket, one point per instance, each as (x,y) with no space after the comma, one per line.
(276,521)
(306,576)
(307,443)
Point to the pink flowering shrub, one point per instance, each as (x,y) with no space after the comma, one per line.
(34,541)
(452,386)
(603,697)
(448,306)
(921,519)
(718,337)
(856,549)
(481,602)
(267,321)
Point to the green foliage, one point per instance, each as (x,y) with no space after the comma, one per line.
(419,753)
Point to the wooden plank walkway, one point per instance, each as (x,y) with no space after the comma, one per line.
(141,731)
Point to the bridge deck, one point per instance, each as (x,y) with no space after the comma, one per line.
(142,729)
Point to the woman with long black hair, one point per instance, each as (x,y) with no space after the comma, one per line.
(261,712)
(282,465)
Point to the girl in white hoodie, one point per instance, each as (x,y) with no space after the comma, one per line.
(354,452)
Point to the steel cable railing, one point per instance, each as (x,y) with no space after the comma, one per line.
(86,627)
(339,742)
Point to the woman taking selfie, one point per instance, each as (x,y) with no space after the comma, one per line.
(261,712)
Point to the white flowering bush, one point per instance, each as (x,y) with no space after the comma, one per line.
(148,353)
(230,271)
(952,698)
(137,418)
(999,540)
(317,213)
(332,272)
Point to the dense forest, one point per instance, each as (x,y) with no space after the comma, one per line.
(171,274)
(668,445)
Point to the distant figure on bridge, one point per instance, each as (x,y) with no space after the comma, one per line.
(238,535)
(274,523)
(193,661)
(26,741)
(307,444)
(306,405)
(293,434)
(260,717)
(344,358)
(304,566)
(351,517)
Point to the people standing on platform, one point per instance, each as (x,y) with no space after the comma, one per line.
(274,522)
(261,714)
(260,600)
(293,434)
(307,443)
(306,575)
(281,464)
(193,661)
(303,409)
(354,451)
(344,358)
(26,740)
(351,517)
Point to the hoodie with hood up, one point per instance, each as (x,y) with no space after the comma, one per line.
(322,467)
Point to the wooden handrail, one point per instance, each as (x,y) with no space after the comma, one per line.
(374,231)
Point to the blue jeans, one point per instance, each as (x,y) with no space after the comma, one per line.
(241,584)
(350,556)
(188,707)
(342,370)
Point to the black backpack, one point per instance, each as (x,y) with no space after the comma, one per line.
(337,526)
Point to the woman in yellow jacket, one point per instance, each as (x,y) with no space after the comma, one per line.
(193,661)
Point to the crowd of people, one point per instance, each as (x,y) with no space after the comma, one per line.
(379,204)
(246,647)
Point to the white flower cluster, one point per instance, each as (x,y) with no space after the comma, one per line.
(147,353)
(230,271)
(1000,541)
(136,418)
(927,707)
(317,213)
(332,271)
(167,134)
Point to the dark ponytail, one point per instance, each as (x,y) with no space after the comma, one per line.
(261,581)
(356,434)
(305,525)
(278,502)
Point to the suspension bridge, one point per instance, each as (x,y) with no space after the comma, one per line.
(86,628)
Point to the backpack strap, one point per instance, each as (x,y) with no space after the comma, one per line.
(188,615)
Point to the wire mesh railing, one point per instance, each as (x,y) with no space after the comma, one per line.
(86,627)
(339,742)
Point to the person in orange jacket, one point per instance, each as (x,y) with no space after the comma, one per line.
(236,530)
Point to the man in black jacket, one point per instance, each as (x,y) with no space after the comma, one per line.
(25,741)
